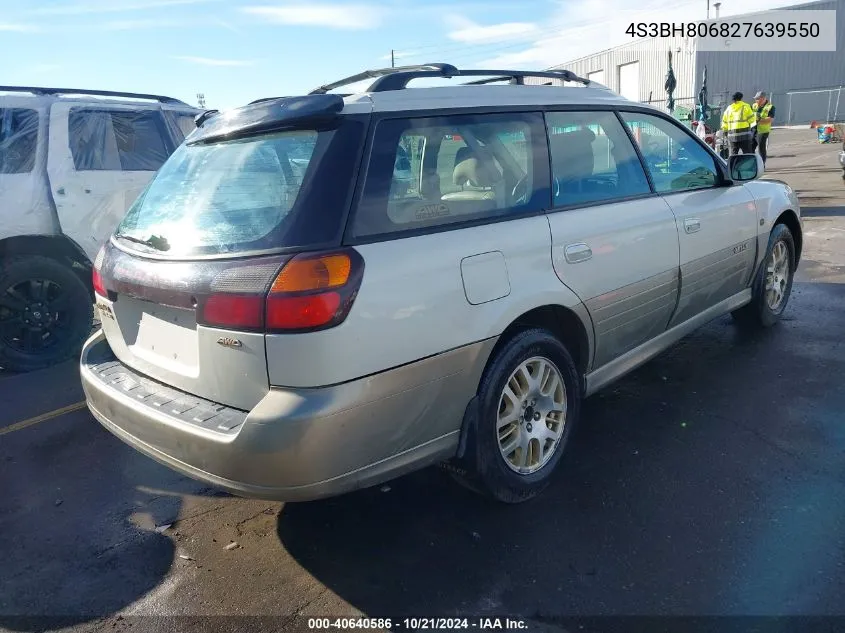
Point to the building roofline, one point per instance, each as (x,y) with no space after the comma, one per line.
(642,40)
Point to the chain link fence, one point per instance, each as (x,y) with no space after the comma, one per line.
(805,106)
(686,108)
(796,107)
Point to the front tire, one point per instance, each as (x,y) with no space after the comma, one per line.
(46,312)
(529,398)
(773,285)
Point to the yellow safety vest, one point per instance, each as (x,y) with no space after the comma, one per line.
(737,118)
(763,113)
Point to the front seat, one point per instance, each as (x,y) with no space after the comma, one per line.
(476,169)
(573,162)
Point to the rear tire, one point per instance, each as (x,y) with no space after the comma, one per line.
(529,398)
(46,312)
(773,284)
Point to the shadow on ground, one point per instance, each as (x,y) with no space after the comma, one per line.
(822,212)
(707,482)
(87,548)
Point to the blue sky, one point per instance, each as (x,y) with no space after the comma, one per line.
(238,50)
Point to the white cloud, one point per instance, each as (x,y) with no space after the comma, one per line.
(226,25)
(334,16)
(116,6)
(44,68)
(133,25)
(9,27)
(210,61)
(471,33)
(399,55)
(568,35)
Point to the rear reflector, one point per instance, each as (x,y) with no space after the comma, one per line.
(303,312)
(233,311)
(97,281)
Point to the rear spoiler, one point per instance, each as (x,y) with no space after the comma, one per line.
(265,114)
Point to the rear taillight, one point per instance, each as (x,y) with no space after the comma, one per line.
(97,280)
(314,292)
(310,292)
(234,311)
(96,277)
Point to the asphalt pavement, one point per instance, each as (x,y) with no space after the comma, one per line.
(708,482)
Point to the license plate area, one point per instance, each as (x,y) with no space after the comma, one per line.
(161,335)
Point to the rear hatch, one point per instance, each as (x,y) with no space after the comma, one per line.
(189,284)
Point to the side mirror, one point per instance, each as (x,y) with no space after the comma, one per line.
(745,167)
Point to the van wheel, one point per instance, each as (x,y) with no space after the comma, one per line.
(46,312)
(773,285)
(528,400)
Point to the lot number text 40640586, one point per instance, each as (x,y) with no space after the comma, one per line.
(419,624)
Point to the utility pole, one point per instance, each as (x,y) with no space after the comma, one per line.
(393,60)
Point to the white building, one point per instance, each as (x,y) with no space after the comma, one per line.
(804,86)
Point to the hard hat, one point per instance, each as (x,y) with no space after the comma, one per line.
(760,94)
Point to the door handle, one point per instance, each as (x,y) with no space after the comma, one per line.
(691,225)
(575,253)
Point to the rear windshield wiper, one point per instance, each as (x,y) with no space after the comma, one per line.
(154,241)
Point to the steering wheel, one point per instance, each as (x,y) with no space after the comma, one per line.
(520,191)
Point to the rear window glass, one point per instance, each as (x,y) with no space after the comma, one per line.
(18,140)
(249,194)
(117,140)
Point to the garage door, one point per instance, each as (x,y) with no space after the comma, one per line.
(597,76)
(629,81)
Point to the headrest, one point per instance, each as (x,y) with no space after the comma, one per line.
(475,169)
(572,154)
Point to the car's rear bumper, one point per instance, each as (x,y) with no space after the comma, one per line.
(296,444)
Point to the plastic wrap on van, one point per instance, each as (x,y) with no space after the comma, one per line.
(24,197)
(101,159)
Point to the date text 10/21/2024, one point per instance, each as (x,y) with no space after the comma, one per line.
(418,624)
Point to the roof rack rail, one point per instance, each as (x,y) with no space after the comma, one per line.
(518,76)
(40,91)
(397,78)
(421,70)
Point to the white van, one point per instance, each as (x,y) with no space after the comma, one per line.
(71,164)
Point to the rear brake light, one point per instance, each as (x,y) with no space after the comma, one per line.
(99,285)
(310,292)
(314,292)
(301,313)
(96,277)
(241,311)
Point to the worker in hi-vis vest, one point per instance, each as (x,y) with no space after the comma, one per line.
(737,123)
(764,112)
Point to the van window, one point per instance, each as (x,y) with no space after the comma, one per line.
(675,159)
(428,172)
(593,159)
(18,140)
(117,140)
(186,123)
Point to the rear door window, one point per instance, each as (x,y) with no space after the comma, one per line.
(18,140)
(436,171)
(593,159)
(117,140)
